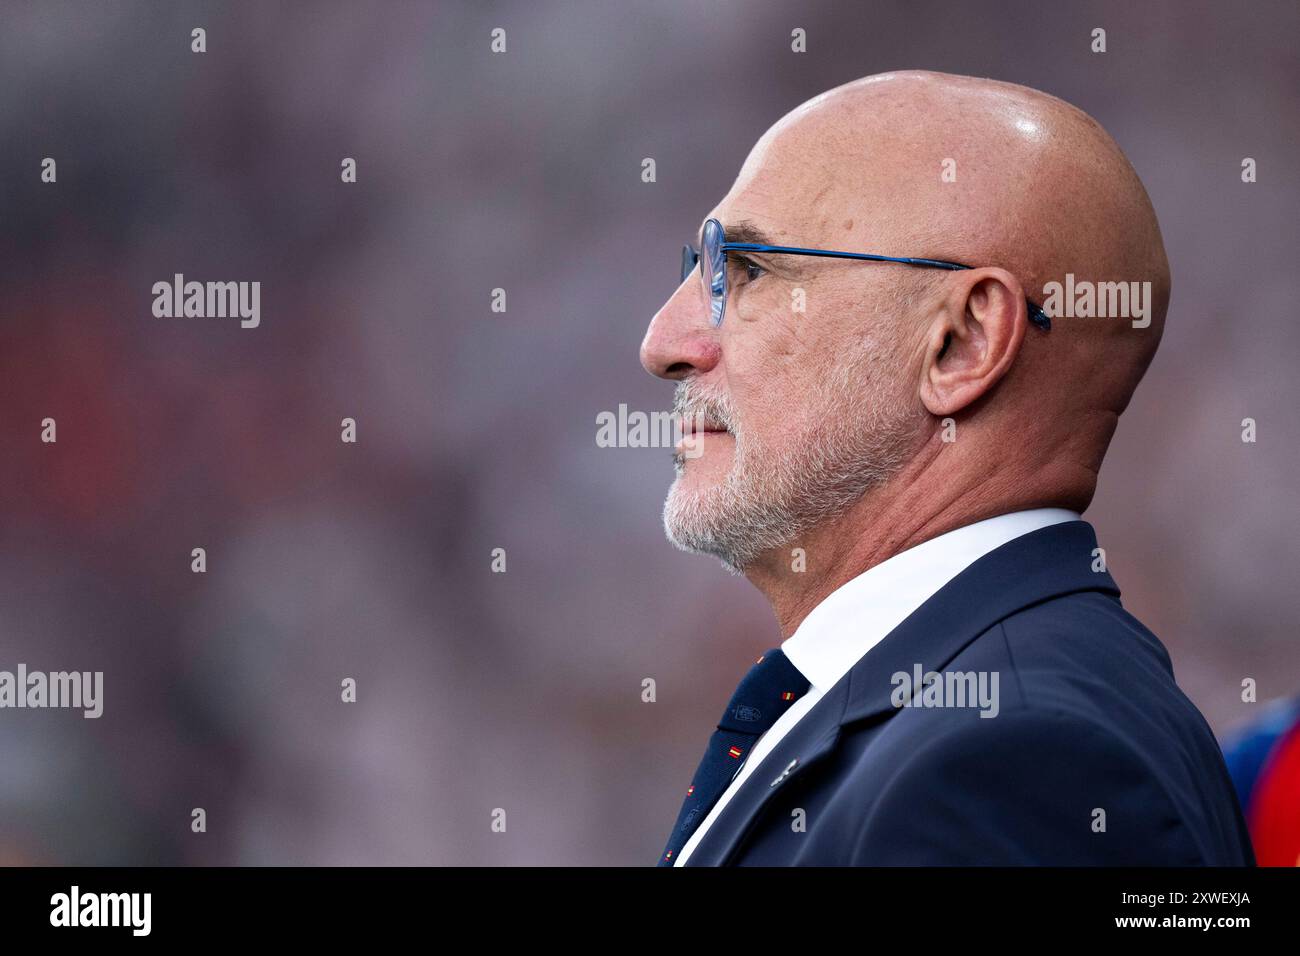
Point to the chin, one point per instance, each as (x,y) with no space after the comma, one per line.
(692,523)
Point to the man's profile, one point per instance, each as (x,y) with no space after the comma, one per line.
(893,438)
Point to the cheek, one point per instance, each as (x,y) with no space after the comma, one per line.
(774,369)
(773,399)
(783,344)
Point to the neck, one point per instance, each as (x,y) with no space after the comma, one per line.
(921,502)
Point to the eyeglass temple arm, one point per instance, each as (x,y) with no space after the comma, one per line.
(1036,313)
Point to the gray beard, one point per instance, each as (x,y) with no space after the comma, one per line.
(770,498)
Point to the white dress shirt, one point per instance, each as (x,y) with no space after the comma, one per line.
(856,617)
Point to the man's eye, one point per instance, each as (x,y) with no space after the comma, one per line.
(750,269)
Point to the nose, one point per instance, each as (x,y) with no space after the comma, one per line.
(680,341)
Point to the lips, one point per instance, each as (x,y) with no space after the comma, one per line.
(691,426)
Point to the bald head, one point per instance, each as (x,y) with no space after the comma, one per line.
(985,173)
(1028,191)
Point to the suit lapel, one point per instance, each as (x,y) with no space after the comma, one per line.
(1047,563)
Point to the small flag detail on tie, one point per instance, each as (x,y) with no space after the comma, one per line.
(734,752)
(788,695)
(668,855)
(690,790)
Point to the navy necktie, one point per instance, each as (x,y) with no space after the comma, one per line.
(767,692)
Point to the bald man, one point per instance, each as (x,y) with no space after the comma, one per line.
(901,345)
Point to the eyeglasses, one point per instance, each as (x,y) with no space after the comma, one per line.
(713,267)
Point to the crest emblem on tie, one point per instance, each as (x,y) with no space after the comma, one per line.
(745,712)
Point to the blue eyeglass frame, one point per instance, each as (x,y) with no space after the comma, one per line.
(716,247)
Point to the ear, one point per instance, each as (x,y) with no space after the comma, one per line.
(973,340)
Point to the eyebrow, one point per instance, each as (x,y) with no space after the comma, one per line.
(742,230)
(746,230)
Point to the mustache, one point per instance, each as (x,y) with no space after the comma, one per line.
(708,410)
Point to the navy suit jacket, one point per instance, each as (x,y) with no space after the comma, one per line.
(1095,756)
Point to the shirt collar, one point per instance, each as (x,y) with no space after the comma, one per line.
(856,616)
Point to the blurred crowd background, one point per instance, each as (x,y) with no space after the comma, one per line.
(476,430)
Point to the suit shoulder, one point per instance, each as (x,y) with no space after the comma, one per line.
(1030,786)
(1084,628)
(1084,653)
